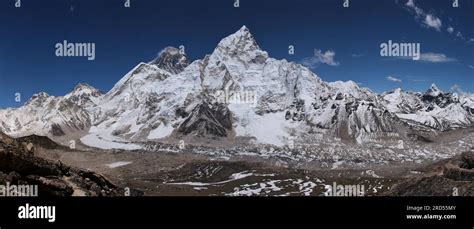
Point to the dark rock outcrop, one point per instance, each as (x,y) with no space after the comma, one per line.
(461,170)
(208,120)
(453,177)
(43,141)
(172,60)
(19,165)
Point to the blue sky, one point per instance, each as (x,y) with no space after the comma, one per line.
(337,43)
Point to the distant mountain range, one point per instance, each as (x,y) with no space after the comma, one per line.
(171,97)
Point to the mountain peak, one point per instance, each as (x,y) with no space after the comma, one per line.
(169,50)
(171,59)
(433,90)
(238,42)
(82,86)
(41,95)
(83,95)
(38,98)
(244,29)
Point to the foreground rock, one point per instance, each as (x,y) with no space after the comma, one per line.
(20,166)
(453,177)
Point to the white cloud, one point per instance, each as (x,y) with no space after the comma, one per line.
(411,5)
(418,80)
(320,57)
(458,34)
(450,29)
(470,66)
(431,57)
(355,55)
(428,20)
(394,79)
(435,58)
(433,22)
(456,88)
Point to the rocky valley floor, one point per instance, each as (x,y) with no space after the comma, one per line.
(189,174)
(168,170)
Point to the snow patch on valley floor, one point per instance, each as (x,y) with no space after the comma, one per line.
(276,187)
(233,177)
(118,164)
(96,141)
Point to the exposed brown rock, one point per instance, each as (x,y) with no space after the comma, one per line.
(454,177)
(19,165)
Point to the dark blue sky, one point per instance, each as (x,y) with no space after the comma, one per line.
(126,36)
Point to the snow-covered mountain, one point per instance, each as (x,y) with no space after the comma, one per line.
(171,60)
(434,108)
(236,92)
(54,116)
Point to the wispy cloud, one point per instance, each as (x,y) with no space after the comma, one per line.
(393,79)
(456,88)
(418,80)
(411,5)
(427,19)
(431,57)
(319,57)
(433,22)
(435,57)
(471,66)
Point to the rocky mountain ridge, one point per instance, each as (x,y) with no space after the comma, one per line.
(237,91)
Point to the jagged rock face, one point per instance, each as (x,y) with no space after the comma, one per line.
(399,101)
(467,102)
(435,97)
(171,60)
(432,109)
(207,120)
